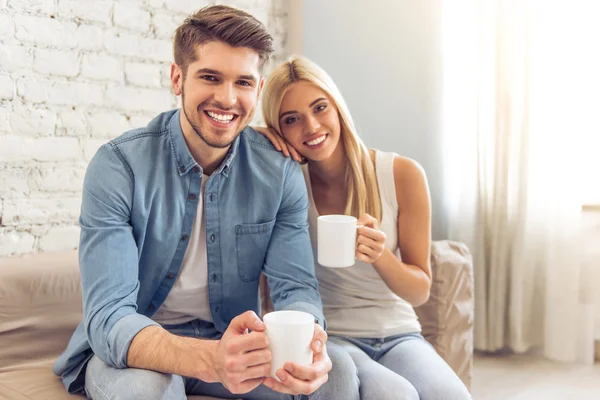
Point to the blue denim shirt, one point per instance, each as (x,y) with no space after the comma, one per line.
(140,196)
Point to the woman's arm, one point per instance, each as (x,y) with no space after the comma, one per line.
(411,277)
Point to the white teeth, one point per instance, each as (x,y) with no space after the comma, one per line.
(220,117)
(317,141)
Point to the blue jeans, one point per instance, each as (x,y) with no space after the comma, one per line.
(401,367)
(103,382)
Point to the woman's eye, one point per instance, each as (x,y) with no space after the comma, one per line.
(320,107)
(289,120)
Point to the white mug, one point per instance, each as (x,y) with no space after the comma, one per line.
(336,240)
(290,334)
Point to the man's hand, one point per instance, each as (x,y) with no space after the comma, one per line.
(242,359)
(300,379)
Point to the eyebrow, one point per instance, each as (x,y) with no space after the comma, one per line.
(310,105)
(218,73)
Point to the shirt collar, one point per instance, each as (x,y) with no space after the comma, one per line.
(183,158)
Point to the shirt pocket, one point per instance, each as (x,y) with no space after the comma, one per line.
(252,241)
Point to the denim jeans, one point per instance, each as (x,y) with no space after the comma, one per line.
(103,382)
(401,367)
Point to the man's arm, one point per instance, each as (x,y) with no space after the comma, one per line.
(108,258)
(289,264)
(120,336)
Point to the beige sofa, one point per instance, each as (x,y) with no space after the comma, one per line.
(40,306)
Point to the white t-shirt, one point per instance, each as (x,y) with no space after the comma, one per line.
(188,298)
(356,301)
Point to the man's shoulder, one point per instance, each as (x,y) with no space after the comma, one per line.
(256,140)
(157,127)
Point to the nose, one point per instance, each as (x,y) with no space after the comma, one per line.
(312,125)
(226,96)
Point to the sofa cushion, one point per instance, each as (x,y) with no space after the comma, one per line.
(36,381)
(447,317)
(40,306)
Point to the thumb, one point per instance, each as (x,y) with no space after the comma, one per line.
(248,320)
(366,220)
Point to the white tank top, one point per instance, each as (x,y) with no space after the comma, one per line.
(188,298)
(356,301)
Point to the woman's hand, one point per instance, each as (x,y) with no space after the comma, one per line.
(370,240)
(280,143)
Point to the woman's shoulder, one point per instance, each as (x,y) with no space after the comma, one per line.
(409,175)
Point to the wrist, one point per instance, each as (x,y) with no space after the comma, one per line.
(198,359)
(377,264)
(208,371)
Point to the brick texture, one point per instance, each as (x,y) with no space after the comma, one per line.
(73,75)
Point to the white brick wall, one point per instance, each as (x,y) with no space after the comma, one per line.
(73,75)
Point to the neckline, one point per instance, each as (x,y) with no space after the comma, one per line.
(309,190)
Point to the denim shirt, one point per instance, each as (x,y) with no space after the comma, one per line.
(140,196)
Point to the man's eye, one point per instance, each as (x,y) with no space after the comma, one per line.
(209,78)
(244,83)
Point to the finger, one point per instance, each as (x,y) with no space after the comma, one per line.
(372,233)
(276,386)
(307,372)
(258,371)
(276,138)
(266,132)
(362,257)
(373,244)
(294,153)
(367,251)
(247,320)
(366,219)
(298,386)
(245,386)
(319,339)
(257,357)
(249,342)
(283,145)
(240,362)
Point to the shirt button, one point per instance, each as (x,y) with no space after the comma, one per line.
(217,308)
(192,196)
(184,238)
(196,170)
(210,197)
(182,169)
(171,275)
(215,278)
(212,238)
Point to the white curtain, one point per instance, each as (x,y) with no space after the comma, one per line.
(521,109)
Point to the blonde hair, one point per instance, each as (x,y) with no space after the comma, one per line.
(361,180)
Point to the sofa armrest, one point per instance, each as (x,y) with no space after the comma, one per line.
(447,317)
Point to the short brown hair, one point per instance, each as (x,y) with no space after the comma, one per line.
(226,24)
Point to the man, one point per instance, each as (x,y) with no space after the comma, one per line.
(178,220)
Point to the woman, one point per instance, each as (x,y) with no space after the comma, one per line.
(369,306)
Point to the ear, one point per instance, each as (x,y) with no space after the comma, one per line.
(176,79)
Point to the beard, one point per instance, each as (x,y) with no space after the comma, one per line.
(215,143)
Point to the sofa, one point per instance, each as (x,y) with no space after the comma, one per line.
(40,306)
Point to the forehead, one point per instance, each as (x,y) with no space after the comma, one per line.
(226,59)
(301,94)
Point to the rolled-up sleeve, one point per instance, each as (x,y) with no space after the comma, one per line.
(108,258)
(289,264)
